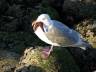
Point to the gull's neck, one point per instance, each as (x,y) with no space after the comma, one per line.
(48,22)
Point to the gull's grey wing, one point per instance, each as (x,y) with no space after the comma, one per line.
(61,34)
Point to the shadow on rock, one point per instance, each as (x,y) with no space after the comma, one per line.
(65,60)
(86,60)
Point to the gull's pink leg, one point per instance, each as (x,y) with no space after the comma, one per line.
(46,52)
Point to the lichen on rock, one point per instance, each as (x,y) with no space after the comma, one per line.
(87,28)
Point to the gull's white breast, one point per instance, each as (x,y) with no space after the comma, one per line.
(43,37)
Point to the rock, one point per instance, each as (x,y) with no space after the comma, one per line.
(56,3)
(32,2)
(89,1)
(3,6)
(73,11)
(19,1)
(18,41)
(14,11)
(79,9)
(9,26)
(29,68)
(11,2)
(87,29)
(59,61)
(86,60)
(8,61)
(18,17)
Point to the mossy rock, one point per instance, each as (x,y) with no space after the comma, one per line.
(59,61)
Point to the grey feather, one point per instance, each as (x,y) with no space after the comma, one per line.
(61,34)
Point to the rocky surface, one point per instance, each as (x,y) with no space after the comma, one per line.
(19,16)
(85,59)
(87,28)
(16,34)
(31,61)
(8,61)
(73,11)
(60,60)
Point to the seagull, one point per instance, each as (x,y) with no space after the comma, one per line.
(55,33)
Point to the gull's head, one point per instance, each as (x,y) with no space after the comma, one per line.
(41,21)
(43,18)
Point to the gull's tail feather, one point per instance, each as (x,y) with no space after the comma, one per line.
(85,45)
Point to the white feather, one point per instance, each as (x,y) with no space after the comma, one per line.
(43,37)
